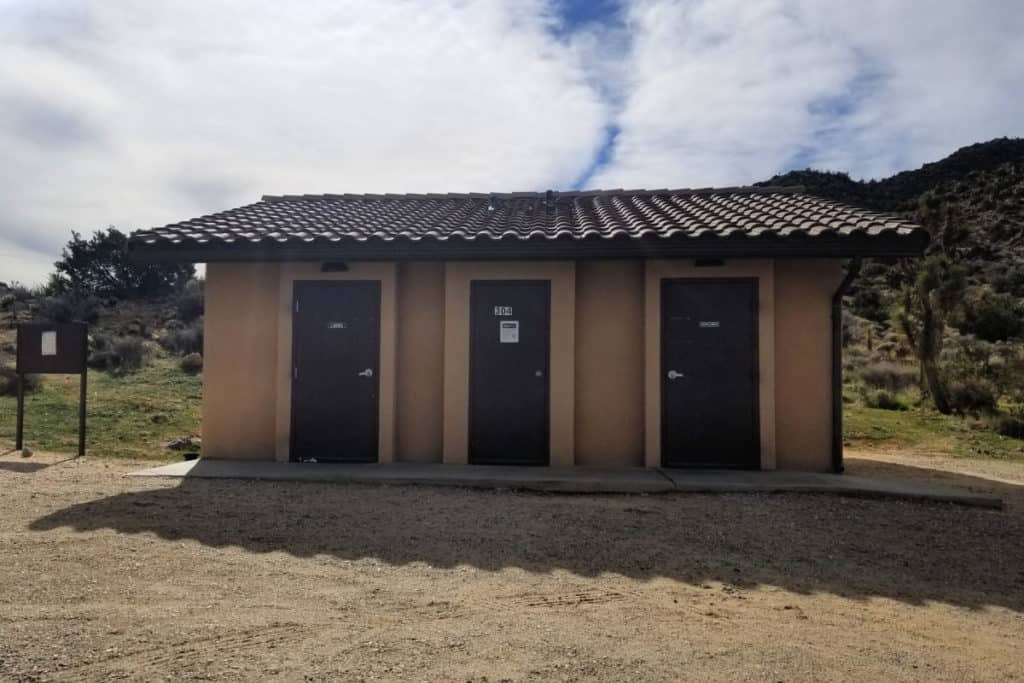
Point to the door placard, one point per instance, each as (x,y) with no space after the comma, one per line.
(508,331)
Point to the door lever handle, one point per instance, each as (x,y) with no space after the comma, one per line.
(672,374)
(368,372)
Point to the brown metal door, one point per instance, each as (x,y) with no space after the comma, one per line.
(508,383)
(709,399)
(335,371)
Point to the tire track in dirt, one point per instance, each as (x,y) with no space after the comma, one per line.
(594,596)
(192,651)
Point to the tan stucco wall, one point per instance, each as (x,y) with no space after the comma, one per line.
(240,358)
(420,383)
(610,363)
(803,362)
(605,358)
(458,276)
(385,273)
(761,269)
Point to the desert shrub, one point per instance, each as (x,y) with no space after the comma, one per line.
(882,399)
(192,363)
(870,303)
(890,376)
(972,396)
(183,340)
(22,293)
(68,308)
(991,316)
(1005,369)
(9,382)
(116,355)
(133,328)
(188,304)
(1010,279)
(102,266)
(1010,425)
(855,358)
(891,345)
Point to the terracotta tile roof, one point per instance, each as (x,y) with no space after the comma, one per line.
(611,213)
(443,224)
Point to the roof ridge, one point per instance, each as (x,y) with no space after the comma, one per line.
(739,189)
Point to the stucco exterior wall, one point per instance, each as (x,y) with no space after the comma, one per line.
(610,363)
(458,278)
(420,384)
(764,272)
(240,357)
(385,273)
(803,362)
(605,374)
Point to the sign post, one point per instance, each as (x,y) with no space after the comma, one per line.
(58,349)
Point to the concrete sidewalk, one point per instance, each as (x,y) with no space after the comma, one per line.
(576,479)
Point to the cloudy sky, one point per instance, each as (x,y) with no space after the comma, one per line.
(137,113)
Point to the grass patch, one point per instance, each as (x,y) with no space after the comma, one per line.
(927,432)
(129,416)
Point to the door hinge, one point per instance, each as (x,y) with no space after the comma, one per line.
(296,305)
(295,372)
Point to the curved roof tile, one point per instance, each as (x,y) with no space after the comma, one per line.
(333,218)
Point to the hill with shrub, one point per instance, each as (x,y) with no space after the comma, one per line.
(969,289)
(145,346)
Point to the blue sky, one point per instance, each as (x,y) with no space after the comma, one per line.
(136,113)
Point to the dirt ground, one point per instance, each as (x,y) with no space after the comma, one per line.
(105,577)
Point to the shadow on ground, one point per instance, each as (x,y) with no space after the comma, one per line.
(23,467)
(911,552)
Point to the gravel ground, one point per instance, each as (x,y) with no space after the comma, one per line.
(108,577)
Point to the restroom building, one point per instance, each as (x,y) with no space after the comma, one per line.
(676,328)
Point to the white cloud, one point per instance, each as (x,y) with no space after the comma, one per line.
(140,113)
(732,91)
(26,266)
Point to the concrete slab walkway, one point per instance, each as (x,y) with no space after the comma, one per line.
(576,479)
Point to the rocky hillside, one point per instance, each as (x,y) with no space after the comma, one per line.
(972,202)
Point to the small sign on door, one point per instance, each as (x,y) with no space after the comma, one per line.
(508,331)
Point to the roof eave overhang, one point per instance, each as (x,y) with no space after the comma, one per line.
(887,244)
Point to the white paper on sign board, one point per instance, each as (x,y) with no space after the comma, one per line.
(49,342)
(508,331)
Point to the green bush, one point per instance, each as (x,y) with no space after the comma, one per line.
(854,358)
(9,382)
(184,340)
(102,266)
(883,400)
(893,377)
(189,302)
(992,317)
(68,308)
(1010,425)
(972,397)
(192,363)
(116,355)
(133,328)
